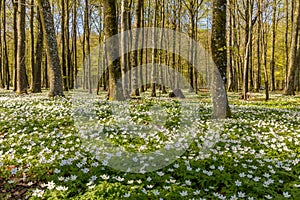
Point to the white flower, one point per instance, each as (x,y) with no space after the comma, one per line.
(104,177)
(286,195)
(238,183)
(197,192)
(242,175)
(149,179)
(256,179)
(50,185)
(126,195)
(234,197)
(268,196)
(156,192)
(221,168)
(241,194)
(61,188)
(38,193)
(183,193)
(176,165)
(188,182)
(160,173)
(73,177)
(120,179)
(93,178)
(14,171)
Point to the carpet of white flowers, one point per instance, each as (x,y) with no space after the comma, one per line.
(256,154)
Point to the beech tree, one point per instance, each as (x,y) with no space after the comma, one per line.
(294,54)
(115,91)
(55,77)
(21,69)
(218,42)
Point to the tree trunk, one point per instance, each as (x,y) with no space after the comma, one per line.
(124,46)
(272,62)
(56,88)
(115,91)
(290,87)
(32,50)
(74,69)
(154,52)
(70,79)
(15,7)
(263,49)
(134,54)
(218,45)
(2,84)
(87,62)
(21,70)
(5,54)
(286,40)
(36,87)
(63,46)
(141,51)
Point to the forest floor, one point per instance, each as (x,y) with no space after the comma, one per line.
(53,148)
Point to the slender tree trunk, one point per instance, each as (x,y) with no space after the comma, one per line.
(264,49)
(272,62)
(290,87)
(15,7)
(162,72)
(286,40)
(247,51)
(124,47)
(258,77)
(63,46)
(141,51)
(5,54)
(154,53)
(134,54)
(2,81)
(230,83)
(32,50)
(87,47)
(115,91)
(70,79)
(21,70)
(74,69)
(56,88)
(36,86)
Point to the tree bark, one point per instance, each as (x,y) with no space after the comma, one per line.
(154,53)
(124,46)
(36,86)
(55,76)
(218,44)
(115,91)
(63,46)
(21,69)
(272,62)
(5,53)
(134,54)
(290,87)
